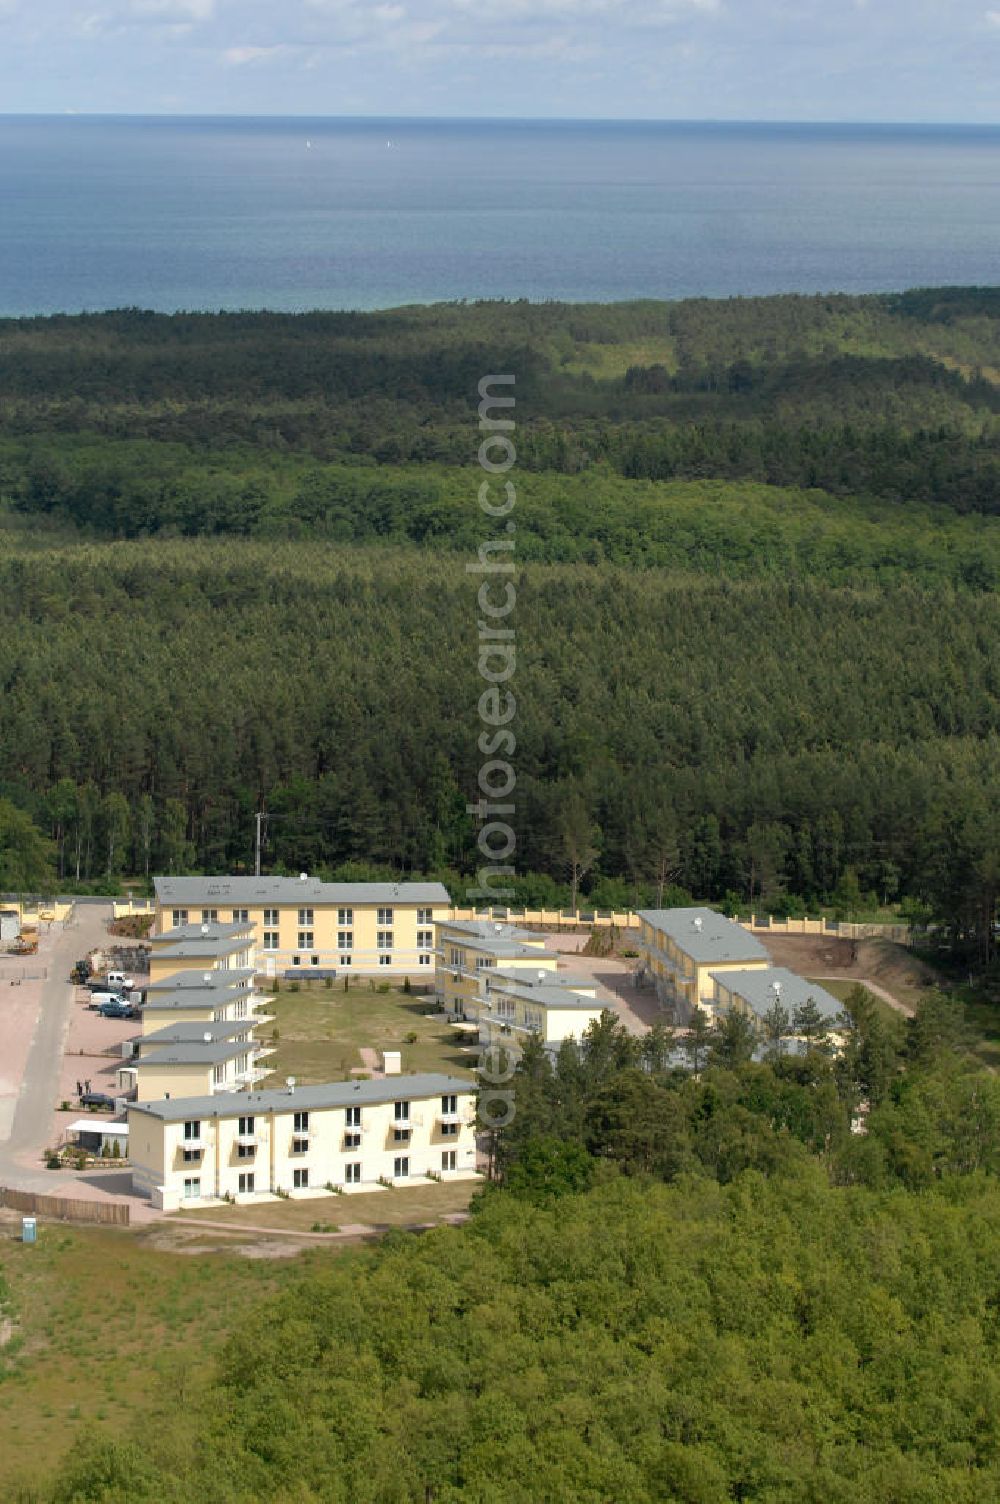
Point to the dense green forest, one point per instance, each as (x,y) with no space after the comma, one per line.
(757,627)
(688,1289)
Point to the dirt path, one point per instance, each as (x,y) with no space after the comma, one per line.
(877,991)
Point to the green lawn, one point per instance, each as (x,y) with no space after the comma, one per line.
(404,1206)
(100,1317)
(321,1032)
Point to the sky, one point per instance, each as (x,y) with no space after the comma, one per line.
(869,60)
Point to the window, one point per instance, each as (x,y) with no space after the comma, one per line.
(345,960)
(270,939)
(384,960)
(241,1008)
(484,962)
(449,1104)
(352,1139)
(425,939)
(300,1179)
(241,916)
(449,1130)
(400,1166)
(246,1182)
(271,918)
(245,1127)
(295,960)
(219,1075)
(192,1129)
(345,916)
(192,1188)
(401,1135)
(245,1151)
(505,1007)
(180,916)
(209,916)
(385,916)
(385,940)
(352,1116)
(454,957)
(300,1145)
(305,916)
(345,939)
(315,960)
(300,1122)
(352,1174)
(424,960)
(401,1112)
(305,940)
(449,1159)
(191,1156)
(425,916)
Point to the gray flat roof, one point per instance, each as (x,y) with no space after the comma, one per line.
(193,980)
(231,1104)
(245,892)
(705,935)
(756,988)
(210,947)
(214,930)
(488,929)
(193,1032)
(509,950)
(552,996)
(542,978)
(194,1054)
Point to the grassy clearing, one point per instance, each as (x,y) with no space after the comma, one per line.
(101,1319)
(405,1206)
(323,1030)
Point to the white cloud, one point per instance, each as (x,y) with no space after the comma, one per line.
(993,18)
(237,57)
(172,10)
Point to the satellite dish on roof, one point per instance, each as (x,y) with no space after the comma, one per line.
(699,923)
(303,877)
(206,976)
(207,1037)
(204,929)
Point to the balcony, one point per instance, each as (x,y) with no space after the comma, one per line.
(249,1077)
(192,1146)
(247,1140)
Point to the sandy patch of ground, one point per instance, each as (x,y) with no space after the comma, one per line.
(891,971)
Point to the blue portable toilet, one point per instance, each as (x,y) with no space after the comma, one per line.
(29,1230)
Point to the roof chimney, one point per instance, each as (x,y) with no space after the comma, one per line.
(207,1037)
(303,877)
(206,976)
(204,929)
(290,1083)
(699,924)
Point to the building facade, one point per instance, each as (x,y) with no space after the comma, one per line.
(758,992)
(303,925)
(299,1141)
(468,948)
(681,948)
(516,1004)
(200,1012)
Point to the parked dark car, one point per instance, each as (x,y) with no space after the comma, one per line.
(116,1009)
(96,1099)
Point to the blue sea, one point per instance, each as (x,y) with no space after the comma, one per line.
(99,212)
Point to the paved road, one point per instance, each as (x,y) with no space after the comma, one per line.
(20,1155)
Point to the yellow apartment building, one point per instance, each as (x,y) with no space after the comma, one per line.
(515,1004)
(198,1058)
(195,996)
(199,1013)
(206,946)
(302,1140)
(303,926)
(681,948)
(466,948)
(756,992)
